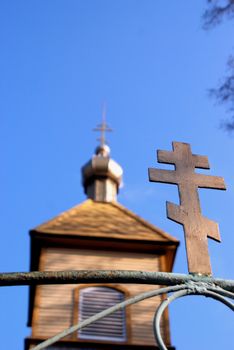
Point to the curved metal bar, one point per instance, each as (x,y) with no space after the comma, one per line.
(221,291)
(201,286)
(195,291)
(106,312)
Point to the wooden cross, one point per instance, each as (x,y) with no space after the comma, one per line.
(103,127)
(196,227)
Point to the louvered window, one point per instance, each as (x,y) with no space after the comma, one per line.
(95,299)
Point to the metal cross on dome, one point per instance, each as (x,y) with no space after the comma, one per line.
(196,227)
(103,127)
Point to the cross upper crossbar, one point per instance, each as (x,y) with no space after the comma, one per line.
(196,227)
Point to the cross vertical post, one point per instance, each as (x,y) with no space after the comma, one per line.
(103,127)
(196,227)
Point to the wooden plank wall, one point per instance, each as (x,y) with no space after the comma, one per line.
(54,304)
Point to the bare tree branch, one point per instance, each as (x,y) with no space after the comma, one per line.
(217,10)
(224,93)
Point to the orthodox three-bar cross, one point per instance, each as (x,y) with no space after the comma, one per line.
(103,127)
(196,227)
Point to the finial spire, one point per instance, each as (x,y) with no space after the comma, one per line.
(102,176)
(103,127)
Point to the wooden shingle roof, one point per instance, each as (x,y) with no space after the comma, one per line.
(103,219)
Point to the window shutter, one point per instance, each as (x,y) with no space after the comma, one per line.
(95,299)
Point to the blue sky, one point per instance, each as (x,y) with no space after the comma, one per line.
(153,64)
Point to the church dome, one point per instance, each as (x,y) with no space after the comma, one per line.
(102,176)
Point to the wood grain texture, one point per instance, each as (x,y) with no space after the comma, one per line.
(196,227)
(55,305)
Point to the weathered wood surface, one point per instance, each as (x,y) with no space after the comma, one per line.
(54,305)
(196,227)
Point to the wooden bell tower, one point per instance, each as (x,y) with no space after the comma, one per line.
(98,234)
